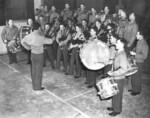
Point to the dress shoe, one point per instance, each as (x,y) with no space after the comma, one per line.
(66,73)
(85,83)
(130,90)
(76,76)
(90,86)
(135,93)
(28,62)
(42,88)
(110,109)
(114,113)
(44,65)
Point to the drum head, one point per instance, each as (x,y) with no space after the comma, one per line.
(94,55)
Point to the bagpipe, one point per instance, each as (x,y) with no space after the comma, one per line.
(76,42)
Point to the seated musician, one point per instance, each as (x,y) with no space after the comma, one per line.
(75,45)
(120,65)
(91,74)
(140,54)
(62,38)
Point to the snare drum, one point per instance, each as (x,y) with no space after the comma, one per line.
(94,54)
(107,87)
(25,30)
(132,67)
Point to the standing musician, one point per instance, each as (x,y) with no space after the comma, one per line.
(112,52)
(66,13)
(92,18)
(62,38)
(81,14)
(141,52)
(91,74)
(30,29)
(85,29)
(105,15)
(48,49)
(42,23)
(123,21)
(9,34)
(119,69)
(52,15)
(98,27)
(74,47)
(130,32)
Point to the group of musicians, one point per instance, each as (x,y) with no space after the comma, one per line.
(61,36)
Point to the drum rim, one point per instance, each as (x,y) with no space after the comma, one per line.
(96,66)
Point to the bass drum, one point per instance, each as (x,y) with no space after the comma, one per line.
(94,54)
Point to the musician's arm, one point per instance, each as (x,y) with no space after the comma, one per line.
(48,40)
(122,68)
(58,36)
(67,39)
(144,52)
(3,35)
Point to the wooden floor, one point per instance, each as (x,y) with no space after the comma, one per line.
(64,96)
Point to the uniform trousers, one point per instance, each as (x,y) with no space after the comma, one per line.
(36,70)
(107,69)
(117,99)
(12,56)
(91,77)
(136,79)
(55,48)
(74,59)
(62,52)
(29,56)
(48,52)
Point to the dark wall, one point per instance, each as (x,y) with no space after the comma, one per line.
(2,12)
(30,9)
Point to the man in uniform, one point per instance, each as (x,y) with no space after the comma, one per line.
(130,32)
(81,14)
(66,13)
(10,33)
(35,42)
(62,38)
(53,15)
(119,69)
(140,54)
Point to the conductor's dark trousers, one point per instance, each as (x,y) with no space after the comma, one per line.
(36,70)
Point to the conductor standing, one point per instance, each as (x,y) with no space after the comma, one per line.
(35,42)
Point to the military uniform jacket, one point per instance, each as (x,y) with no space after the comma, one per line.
(130,32)
(120,65)
(141,51)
